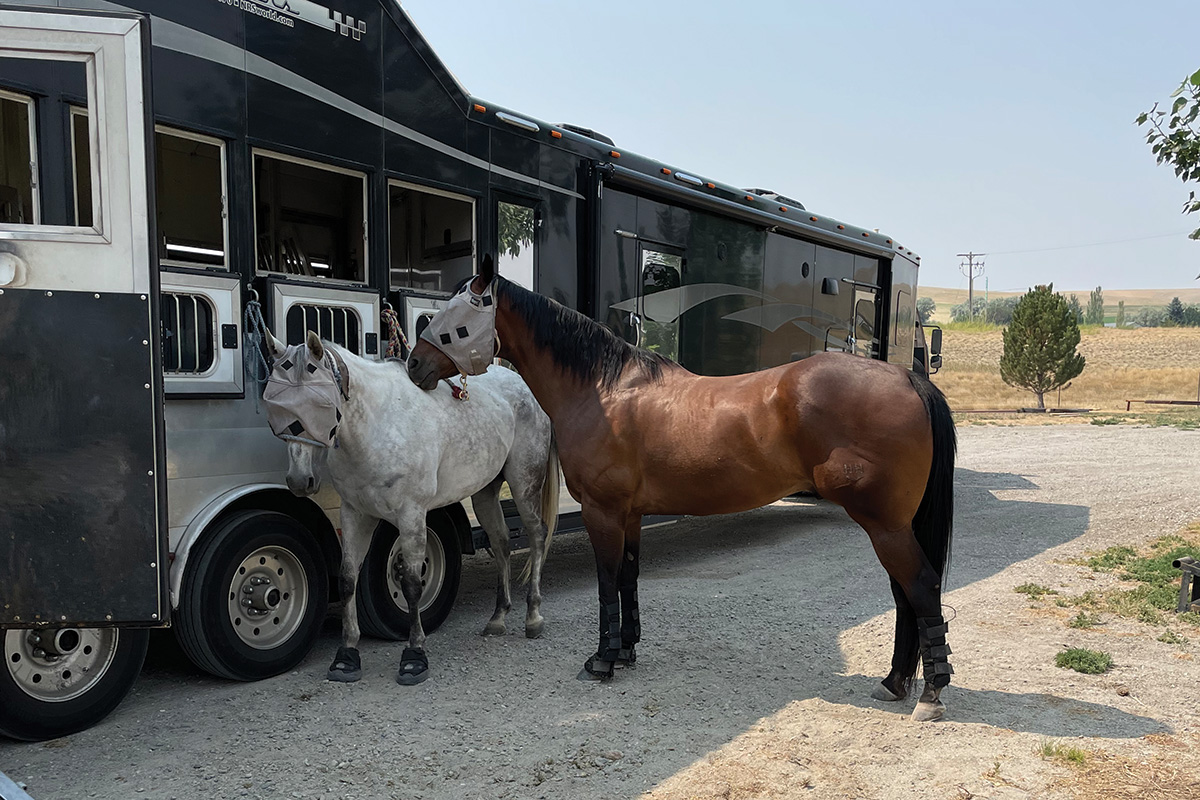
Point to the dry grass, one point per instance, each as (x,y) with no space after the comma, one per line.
(1134,298)
(1143,364)
(1170,775)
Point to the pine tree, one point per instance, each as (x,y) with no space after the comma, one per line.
(1175,311)
(1039,344)
(1076,309)
(1120,313)
(1095,307)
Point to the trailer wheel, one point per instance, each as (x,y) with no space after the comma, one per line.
(382,610)
(253,597)
(56,682)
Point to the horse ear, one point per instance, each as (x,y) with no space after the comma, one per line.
(274,346)
(314,345)
(487,269)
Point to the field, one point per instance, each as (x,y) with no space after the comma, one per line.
(1138,364)
(1134,298)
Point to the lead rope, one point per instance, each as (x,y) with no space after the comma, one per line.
(258,369)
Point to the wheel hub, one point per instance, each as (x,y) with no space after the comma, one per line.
(55,666)
(267,597)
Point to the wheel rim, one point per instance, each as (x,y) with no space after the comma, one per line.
(433,572)
(54,666)
(268,596)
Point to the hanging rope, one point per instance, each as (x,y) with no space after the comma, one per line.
(396,337)
(258,369)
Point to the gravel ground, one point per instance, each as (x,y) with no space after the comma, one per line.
(763,636)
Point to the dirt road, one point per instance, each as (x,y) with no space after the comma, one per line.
(763,636)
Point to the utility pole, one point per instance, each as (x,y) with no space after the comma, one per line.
(972,269)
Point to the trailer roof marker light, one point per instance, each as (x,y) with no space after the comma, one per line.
(841,227)
(689,179)
(665,171)
(556,134)
(783,208)
(750,198)
(480,109)
(518,122)
(812,219)
(711,185)
(889,241)
(614,154)
(866,234)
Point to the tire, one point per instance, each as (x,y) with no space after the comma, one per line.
(254,596)
(41,698)
(382,610)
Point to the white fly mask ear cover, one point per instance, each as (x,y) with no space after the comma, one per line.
(465,330)
(303,398)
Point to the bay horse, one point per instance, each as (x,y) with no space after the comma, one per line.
(638,434)
(394,452)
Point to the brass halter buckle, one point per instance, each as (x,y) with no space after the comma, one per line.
(459,392)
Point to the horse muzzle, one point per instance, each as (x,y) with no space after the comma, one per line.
(303,485)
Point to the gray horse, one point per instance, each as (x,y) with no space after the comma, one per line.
(393,452)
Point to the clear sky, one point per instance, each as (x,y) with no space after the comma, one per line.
(950,126)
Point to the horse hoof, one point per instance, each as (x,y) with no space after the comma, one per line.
(494,628)
(928,712)
(346,666)
(596,671)
(414,667)
(882,692)
(533,630)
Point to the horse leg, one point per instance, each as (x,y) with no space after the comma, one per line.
(906,563)
(414,665)
(357,530)
(528,501)
(631,625)
(904,657)
(486,503)
(607,534)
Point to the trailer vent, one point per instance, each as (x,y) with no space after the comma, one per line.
(188,333)
(337,324)
(589,133)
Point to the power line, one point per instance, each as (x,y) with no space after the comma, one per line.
(1092,244)
(969,269)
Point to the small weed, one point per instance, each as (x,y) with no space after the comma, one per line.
(1089,662)
(1089,599)
(1111,558)
(1034,590)
(1108,420)
(1083,620)
(1053,751)
(1190,617)
(1062,602)
(1171,637)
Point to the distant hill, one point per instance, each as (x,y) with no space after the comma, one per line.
(1134,298)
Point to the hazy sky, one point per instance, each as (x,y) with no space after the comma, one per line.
(950,126)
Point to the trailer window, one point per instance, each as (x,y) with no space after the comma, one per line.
(516,245)
(337,324)
(188,334)
(18,189)
(432,238)
(662,277)
(309,219)
(190,199)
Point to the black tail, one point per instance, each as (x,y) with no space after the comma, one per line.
(932,525)
(934,522)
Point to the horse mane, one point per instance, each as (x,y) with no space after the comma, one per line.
(583,347)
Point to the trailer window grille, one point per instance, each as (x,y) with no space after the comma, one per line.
(337,324)
(188,334)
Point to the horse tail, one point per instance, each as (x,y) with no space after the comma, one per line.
(550,493)
(933,524)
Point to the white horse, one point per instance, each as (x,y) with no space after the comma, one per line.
(393,452)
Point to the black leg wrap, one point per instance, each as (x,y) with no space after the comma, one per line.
(934,650)
(346,666)
(610,632)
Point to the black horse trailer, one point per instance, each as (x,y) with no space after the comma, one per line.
(170,170)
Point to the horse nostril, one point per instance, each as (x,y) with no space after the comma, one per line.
(311,482)
(414,362)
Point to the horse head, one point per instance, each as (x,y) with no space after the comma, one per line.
(304,395)
(461,338)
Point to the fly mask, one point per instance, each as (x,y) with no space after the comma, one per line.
(465,330)
(304,395)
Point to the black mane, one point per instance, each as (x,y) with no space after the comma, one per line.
(581,346)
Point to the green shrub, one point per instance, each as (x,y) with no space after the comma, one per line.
(1034,590)
(1083,620)
(1089,662)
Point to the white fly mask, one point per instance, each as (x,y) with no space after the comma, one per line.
(304,396)
(465,330)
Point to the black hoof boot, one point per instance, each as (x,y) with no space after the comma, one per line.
(626,657)
(346,666)
(596,669)
(414,667)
